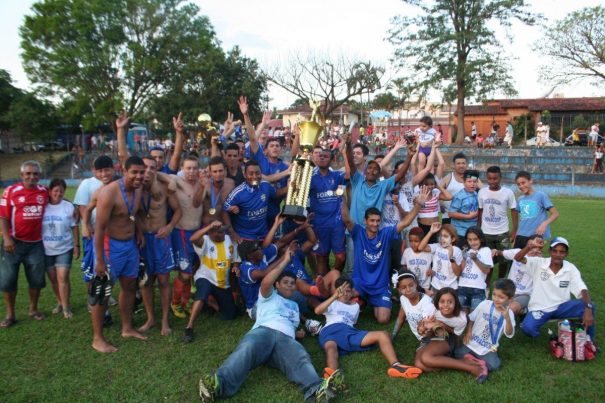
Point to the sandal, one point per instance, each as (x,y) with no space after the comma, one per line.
(8,322)
(67,313)
(37,315)
(57,310)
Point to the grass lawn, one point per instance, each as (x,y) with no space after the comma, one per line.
(53,361)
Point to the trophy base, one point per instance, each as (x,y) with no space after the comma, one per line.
(295,212)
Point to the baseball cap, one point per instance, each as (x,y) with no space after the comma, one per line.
(103,162)
(559,241)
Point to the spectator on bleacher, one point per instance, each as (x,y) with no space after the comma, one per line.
(597,165)
(593,137)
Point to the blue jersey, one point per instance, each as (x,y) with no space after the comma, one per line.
(297,268)
(270,168)
(247,284)
(325,203)
(166,169)
(533,211)
(251,222)
(372,258)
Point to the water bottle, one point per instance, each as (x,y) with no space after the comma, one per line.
(565,326)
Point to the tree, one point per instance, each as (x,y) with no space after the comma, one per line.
(31,117)
(386,101)
(8,94)
(100,56)
(575,48)
(332,80)
(451,46)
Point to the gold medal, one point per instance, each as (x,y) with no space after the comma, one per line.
(494,348)
(340,191)
(212,211)
(131,218)
(148,216)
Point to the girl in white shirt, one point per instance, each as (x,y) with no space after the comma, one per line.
(478,264)
(447,258)
(415,306)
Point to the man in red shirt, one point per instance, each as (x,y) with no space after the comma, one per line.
(21,212)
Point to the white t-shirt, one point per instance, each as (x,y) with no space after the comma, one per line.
(418,263)
(524,282)
(551,290)
(458,323)
(481,337)
(339,312)
(415,313)
(57,224)
(471,275)
(406,199)
(425,136)
(277,313)
(216,260)
(84,194)
(495,205)
(443,275)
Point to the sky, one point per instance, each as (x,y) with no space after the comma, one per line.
(270,30)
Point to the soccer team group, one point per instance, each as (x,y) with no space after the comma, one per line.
(433,237)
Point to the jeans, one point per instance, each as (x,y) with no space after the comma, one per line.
(571,309)
(491,359)
(470,297)
(267,346)
(31,254)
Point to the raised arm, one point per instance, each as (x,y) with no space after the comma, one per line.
(424,244)
(243,108)
(179,128)
(198,237)
(387,158)
(266,286)
(122,124)
(321,308)
(350,167)
(418,204)
(346,218)
(420,175)
(279,220)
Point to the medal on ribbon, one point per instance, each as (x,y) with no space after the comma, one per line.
(213,199)
(494,335)
(129,204)
(146,206)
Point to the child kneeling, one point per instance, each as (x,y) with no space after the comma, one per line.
(340,337)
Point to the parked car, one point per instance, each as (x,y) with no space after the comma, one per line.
(549,143)
(56,145)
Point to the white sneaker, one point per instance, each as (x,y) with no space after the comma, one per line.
(313,326)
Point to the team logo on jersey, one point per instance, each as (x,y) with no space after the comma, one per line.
(231,249)
(40,199)
(212,249)
(21,199)
(379,244)
(544,276)
(263,197)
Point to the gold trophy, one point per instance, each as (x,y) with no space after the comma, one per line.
(302,168)
(206,129)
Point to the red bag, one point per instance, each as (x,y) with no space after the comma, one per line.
(574,343)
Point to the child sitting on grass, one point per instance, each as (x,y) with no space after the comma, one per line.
(340,337)
(486,325)
(417,261)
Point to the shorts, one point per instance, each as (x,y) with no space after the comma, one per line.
(470,297)
(425,150)
(184,254)
(121,257)
(522,299)
(224,299)
(452,341)
(157,254)
(347,338)
(31,254)
(62,260)
(330,239)
(377,298)
(88,259)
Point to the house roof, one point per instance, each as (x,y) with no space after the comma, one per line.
(484,110)
(551,104)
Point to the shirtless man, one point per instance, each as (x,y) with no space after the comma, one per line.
(188,187)
(157,251)
(115,245)
(215,194)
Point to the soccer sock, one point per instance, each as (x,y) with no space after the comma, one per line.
(177,289)
(185,292)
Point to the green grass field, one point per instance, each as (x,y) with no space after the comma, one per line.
(52,360)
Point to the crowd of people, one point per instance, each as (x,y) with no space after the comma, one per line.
(374,226)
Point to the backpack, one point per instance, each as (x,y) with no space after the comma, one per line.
(572,344)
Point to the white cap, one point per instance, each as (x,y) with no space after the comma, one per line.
(559,241)
(539,123)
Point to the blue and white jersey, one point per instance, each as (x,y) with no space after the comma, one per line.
(253,202)
(372,258)
(325,203)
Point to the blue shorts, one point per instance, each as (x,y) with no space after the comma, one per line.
(157,254)
(470,297)
(425,150)
(330,239)
(121,257)
(62,260)
(224,298)
(88,258)
(184,253)
(376,298)
(347,338)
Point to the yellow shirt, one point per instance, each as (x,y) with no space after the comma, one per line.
(216,259)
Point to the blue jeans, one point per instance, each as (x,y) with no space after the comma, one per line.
(267,346)
(571,309)
(470,297)
(491,359)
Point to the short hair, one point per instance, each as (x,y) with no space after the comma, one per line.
(217,160)
(428,177)
(191,157)
(523,174)
(506,285)
(341,280)
(494,169)
(271,140)
(232,146)
(133,160)
(427,121)
(156,148)
(102,162)
(448,290)
(459,156)
(57,182)
(30,163)
(251,163)
(371,211)
(376,163)
(397,165)
(149,158)
(284,274)
(416,231)
(378,156)
(364,149)
(477,231)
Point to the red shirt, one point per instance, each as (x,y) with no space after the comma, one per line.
(24,209)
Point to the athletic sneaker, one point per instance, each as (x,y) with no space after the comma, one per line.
(403,371)
(327,390)
(188,336)
(339,379)
(208,387)
(313,326)
(178,311)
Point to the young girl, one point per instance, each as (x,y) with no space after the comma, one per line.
(415,306)
(478,264)
(440,338)
(447,258)
(340,337)
(430,212)
(486,325)
(416,261)
(425,136)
